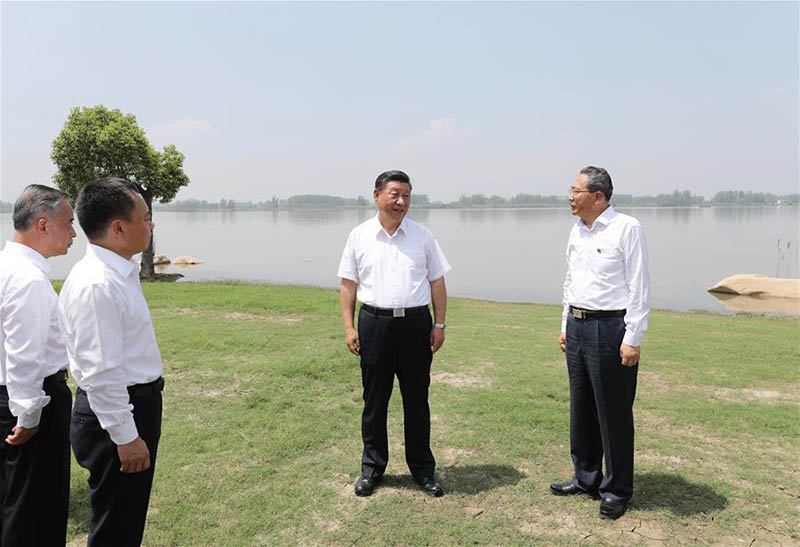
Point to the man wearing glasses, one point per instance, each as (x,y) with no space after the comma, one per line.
(606,294)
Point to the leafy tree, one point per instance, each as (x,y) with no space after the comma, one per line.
(98,142)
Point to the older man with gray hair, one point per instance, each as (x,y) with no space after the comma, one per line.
(34,398)
(606,303)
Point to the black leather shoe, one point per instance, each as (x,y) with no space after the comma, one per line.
(611,509)
(365,486)
(569,489)
(430,486)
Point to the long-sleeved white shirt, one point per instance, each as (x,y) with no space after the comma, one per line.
(31,345)
(110,338)
(607,269)
(392,271)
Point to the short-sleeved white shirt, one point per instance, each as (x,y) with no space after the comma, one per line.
(393,271)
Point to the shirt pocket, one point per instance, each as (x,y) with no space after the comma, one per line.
(606,259)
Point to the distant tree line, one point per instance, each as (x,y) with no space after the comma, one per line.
(677,198)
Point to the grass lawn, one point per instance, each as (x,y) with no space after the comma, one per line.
(261,437)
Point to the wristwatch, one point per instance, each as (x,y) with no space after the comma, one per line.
(439,325)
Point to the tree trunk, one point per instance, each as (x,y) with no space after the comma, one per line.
(147,256)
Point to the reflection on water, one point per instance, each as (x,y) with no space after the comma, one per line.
(497,254)
(755,304)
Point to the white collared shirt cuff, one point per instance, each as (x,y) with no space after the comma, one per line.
(123,433)
(632,339)
(30,419)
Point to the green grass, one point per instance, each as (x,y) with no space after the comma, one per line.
(261,436)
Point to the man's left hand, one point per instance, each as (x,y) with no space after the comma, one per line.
(21,435)
(437,338)
(629,355)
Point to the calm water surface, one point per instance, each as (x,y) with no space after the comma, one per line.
(496,254)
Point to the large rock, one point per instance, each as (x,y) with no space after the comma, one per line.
(186,260)
(160,259)
(758,285)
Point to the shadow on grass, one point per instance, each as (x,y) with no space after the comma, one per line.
(78,520)
(674,493)
(464,479)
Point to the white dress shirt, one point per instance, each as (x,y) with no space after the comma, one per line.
(393,271)
(110,338)
(31,345)
(607,269)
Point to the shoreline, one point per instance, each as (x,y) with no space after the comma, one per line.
(771,314)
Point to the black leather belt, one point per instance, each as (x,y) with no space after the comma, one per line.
(143,390)
(394,312)
(580,313)
(60,376)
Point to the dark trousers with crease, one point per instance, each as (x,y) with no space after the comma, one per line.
(396,346)
(34,481)
(118,501)
(601,406)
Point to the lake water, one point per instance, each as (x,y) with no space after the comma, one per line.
(496,254)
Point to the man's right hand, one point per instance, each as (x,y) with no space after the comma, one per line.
(562,341)
(351,339)
(21,435)
(134,456)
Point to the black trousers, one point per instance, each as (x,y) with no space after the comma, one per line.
(401,346)
(34,482)
(117,501)
(601,406)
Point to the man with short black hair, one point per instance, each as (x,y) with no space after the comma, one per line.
(34,398)
(114,357)
(396,268)
(606,302)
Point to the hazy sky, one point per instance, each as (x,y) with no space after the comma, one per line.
(276,99)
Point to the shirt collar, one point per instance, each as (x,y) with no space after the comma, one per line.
(32,255)
(122,266)
(379,226)
(605,218)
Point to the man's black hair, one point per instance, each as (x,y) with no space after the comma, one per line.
(102,201)
(598,180)
(389,176)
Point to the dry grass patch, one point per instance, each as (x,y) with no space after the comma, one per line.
(283,319)
(451,455)
(455,379)
(758,395)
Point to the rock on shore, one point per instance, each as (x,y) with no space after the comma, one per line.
(186,260)
(160,259)
(758,285)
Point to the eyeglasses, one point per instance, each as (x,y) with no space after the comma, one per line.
(571,191)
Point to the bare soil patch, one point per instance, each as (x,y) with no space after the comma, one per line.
(459,380)
(760,395)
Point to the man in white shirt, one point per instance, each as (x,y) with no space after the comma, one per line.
(34,397)
(395,267)
(114,357)
(606,295)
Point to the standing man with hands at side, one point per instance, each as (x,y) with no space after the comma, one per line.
(395,267)
(606,302)
(34,397)
(114,357)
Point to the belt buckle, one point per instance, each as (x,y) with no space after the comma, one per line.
(577,314)
(398,312)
